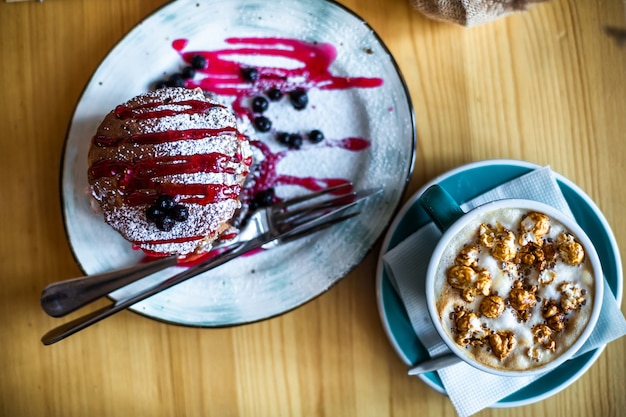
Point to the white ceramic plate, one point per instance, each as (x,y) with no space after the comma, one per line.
(268,283)
(465,183)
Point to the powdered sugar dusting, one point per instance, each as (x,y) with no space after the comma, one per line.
(160,112)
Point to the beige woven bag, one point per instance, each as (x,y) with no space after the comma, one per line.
(470,12)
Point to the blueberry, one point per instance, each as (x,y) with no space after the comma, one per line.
(283,137)
(154,213)
(259,104)
(250,74)
(188,72)
(316,136)
(274,94)
(179,213)
(264,198)
(299,99)
(262,124)
(176,80)
(165,202)
(198,62)
(294,141)
(165,223)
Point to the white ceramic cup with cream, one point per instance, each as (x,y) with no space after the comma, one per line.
(514,287)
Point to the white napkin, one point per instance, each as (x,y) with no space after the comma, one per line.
(469,389)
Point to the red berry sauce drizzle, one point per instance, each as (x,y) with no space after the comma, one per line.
(222,73)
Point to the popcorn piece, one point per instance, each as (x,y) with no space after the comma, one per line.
(520,298)
(534,353)
(571,251)
(461,276)
(546,277)
(469,281)
(468,256)
(556,322)
(502,343)
(555,319)
(486,235)
(533,228)
(537,256)
(468,327)
(573,296)
(492,306)
(549,309)
(483,282)
(504,247)
(543,335)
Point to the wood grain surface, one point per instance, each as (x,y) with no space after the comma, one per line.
(547,86)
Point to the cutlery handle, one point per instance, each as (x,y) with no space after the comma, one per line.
(63,297)
(434,364)
(83,322)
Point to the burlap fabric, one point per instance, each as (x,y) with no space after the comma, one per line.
(470,12)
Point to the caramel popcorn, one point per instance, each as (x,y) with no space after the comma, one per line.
(486,235)
(504,247)
(534,354)
(469,281)
(483,282)
(522,299)
(549,309)
(571,251)
(533,228)
(543,336)
(468,327)
(502,343)
(461,277)
(572,296)
(468,256)
(492,306)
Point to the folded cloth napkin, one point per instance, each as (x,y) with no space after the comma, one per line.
(406,266)
(470,12)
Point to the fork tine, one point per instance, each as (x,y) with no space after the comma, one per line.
(310,196)
(310,229)
(308,212)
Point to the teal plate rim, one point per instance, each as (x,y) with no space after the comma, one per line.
(464,183)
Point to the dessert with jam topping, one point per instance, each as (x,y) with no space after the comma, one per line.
(167,168)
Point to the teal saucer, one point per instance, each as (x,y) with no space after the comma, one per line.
(465,183)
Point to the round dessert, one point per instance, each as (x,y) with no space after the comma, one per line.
(167,169)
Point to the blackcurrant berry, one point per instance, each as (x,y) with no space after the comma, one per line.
(188,72)
(259,104)
(198,62)
(299,99)
(154,213)
(294,141)
(316,136)
(179,213)
(265,198)
(282,137)
(250,74)
(262,124)
(160,84)
(274,94)
(165,202)
(176,80)
(165,223)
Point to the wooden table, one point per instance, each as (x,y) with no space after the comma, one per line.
(547,86)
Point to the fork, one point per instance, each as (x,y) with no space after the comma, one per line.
(290,230)
(63,297)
